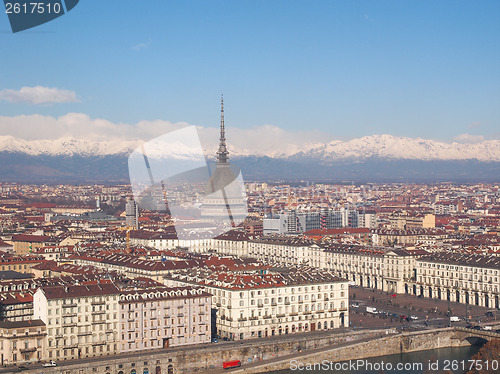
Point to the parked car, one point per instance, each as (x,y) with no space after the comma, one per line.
(22,368)
(487,328)
(214,340)
(413,317)
(454,319)
(50,363)
(489,314)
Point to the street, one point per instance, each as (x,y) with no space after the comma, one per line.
(434,311)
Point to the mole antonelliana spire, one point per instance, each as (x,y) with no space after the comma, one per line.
(223,202)
(222,153)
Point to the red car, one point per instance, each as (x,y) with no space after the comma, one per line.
(231,364)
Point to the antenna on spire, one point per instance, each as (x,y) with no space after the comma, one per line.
(222,130)
(222,153)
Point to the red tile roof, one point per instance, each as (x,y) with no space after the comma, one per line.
(30,238)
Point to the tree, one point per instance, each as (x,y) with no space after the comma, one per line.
(488,353)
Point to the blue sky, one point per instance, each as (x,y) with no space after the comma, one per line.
(426,69)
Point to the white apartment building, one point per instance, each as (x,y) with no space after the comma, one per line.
(473,280)
(82,320)
(259,305)
(464,278)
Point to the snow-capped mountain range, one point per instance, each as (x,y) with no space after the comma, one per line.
(392,147)
(66,146)
(368,147)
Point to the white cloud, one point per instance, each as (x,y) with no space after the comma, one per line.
(267,139)
(141,46)
(38,95)
(79,125)
(468,138)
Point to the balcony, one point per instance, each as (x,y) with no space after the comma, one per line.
(73,305)
(260,306)
(280,315)
(28,350)
(253,318)
(287,302)
(98,303)
(266,317)
(99,312)
(294,314)
(242,319)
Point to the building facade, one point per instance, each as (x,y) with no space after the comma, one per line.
(82,320)
(164,317)
(22,342)
(294,300)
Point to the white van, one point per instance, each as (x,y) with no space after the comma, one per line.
(454,319)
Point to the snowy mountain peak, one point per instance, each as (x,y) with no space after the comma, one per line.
(367,147)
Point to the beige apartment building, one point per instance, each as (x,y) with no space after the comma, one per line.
(164,317)
(22,342)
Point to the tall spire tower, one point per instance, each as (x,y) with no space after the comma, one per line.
(223,203)
(222,153)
